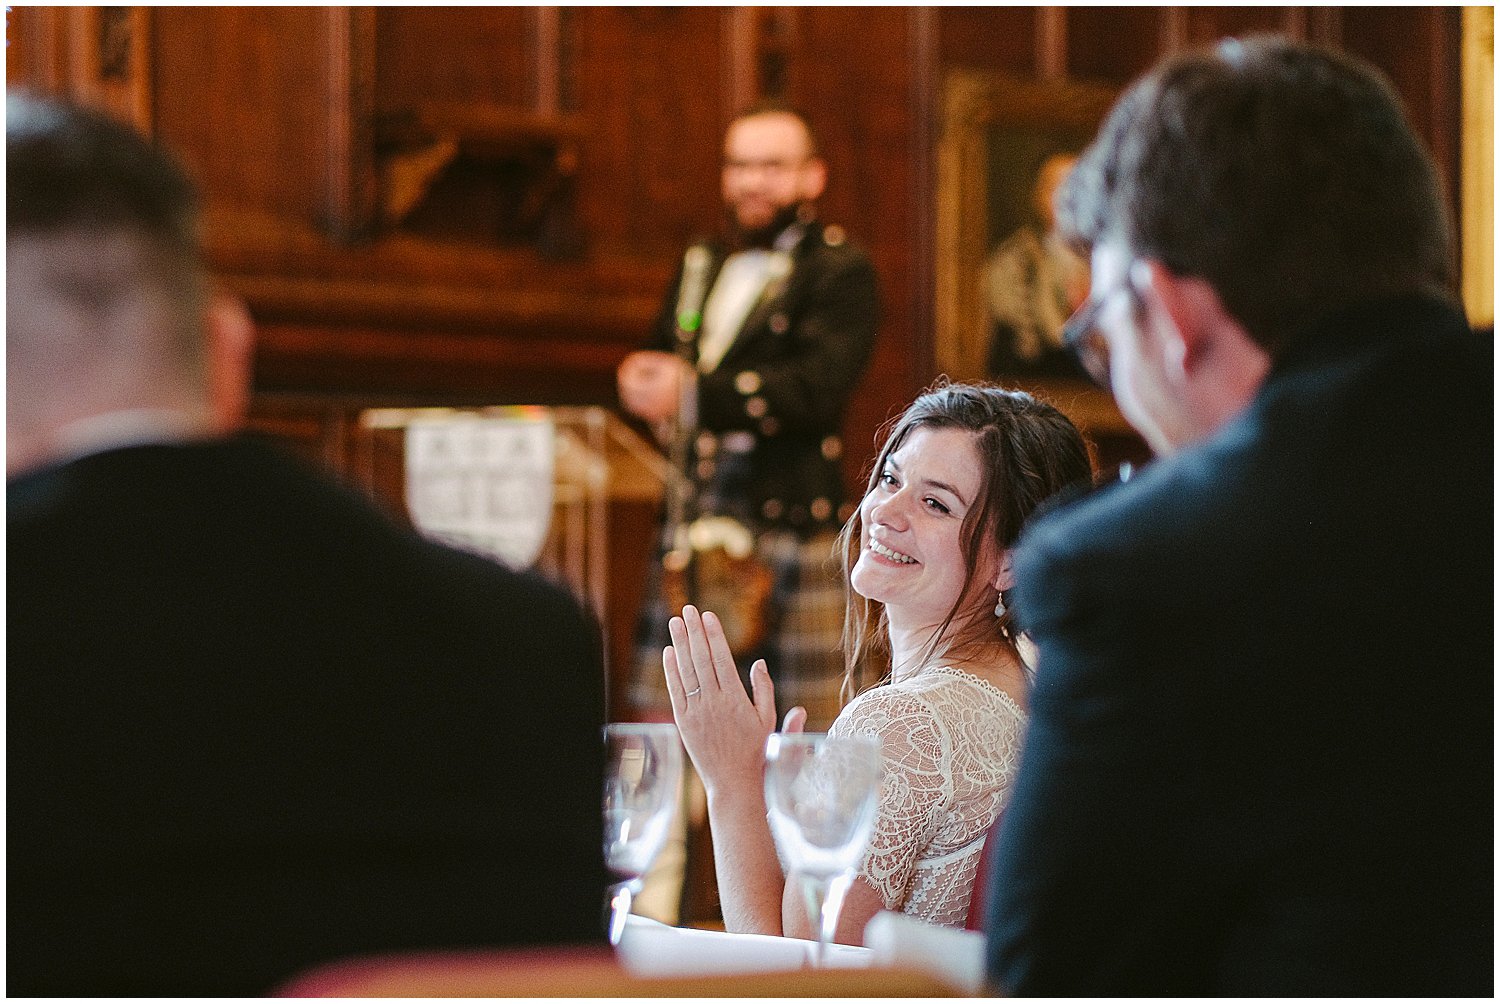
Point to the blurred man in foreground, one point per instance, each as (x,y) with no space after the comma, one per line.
(252,725)
(1260,754)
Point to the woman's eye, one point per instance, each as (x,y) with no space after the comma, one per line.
(888,479)
(935,504)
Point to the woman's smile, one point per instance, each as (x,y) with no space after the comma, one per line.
(891,554)
(913,517)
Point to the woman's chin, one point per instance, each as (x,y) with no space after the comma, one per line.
(860,582)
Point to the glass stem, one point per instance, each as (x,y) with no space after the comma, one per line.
(833,904)
(621,895)
(824,897)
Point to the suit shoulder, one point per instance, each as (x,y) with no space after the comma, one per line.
(845,270)
(832,244)
(338,521)
(494,585)
(1147,522)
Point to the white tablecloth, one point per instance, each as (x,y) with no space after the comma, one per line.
(650,948)
(952,955)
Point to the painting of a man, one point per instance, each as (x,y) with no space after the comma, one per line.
(1032,282)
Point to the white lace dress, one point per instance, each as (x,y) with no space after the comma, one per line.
(951,744)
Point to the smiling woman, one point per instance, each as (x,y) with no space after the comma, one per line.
(927,559)
(913,562)
(977,461)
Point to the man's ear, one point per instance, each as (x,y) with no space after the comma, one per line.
(231,347)
(1191,307)
(814,178)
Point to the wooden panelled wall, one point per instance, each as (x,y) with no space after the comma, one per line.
(482,205)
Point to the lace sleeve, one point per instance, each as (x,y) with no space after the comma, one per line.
(913,783)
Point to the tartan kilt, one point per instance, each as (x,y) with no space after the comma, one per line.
(803,650)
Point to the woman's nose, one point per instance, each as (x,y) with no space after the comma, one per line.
(891,510)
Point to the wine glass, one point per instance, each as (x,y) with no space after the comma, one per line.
(642,778)
(821,794)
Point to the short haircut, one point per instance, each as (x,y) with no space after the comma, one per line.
(73,171)
(775,106)
(75,168)
(1284,175)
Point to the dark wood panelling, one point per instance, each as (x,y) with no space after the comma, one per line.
(1002,39)
(1418,49)
(516,366)
(402,313)
(1113,44)
(859,99)
(458,54)
(1205,24)
(1324,26)
(23,35)
(648,84)
(240,94)
(100,56)
(350,210)
(926,98)
(770,35)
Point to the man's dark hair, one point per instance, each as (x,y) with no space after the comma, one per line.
(775,106)
(1284,175)
(74,168)
(76,172)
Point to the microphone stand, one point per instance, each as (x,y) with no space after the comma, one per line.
(682,499)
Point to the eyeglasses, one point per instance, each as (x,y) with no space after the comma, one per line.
(1083,338)
(772,167)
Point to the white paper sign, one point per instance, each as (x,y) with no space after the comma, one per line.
(482,483)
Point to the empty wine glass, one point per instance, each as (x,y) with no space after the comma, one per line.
(642,779)
(821,795)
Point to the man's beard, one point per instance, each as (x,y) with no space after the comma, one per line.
(765,236)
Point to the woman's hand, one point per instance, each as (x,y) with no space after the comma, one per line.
(723,729)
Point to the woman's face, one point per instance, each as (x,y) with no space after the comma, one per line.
(911,558)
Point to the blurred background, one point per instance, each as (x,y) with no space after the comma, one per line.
(483,205)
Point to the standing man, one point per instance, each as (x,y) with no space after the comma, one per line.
(252,724)
(1260,753)
(788,320)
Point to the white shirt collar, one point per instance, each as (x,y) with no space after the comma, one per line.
(113,430)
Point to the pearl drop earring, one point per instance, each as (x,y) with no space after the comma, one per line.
(999,604)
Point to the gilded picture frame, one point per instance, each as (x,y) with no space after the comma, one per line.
(994,132)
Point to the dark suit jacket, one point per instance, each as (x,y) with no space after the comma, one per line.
(1260,753)
(253,725)
(786,380)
